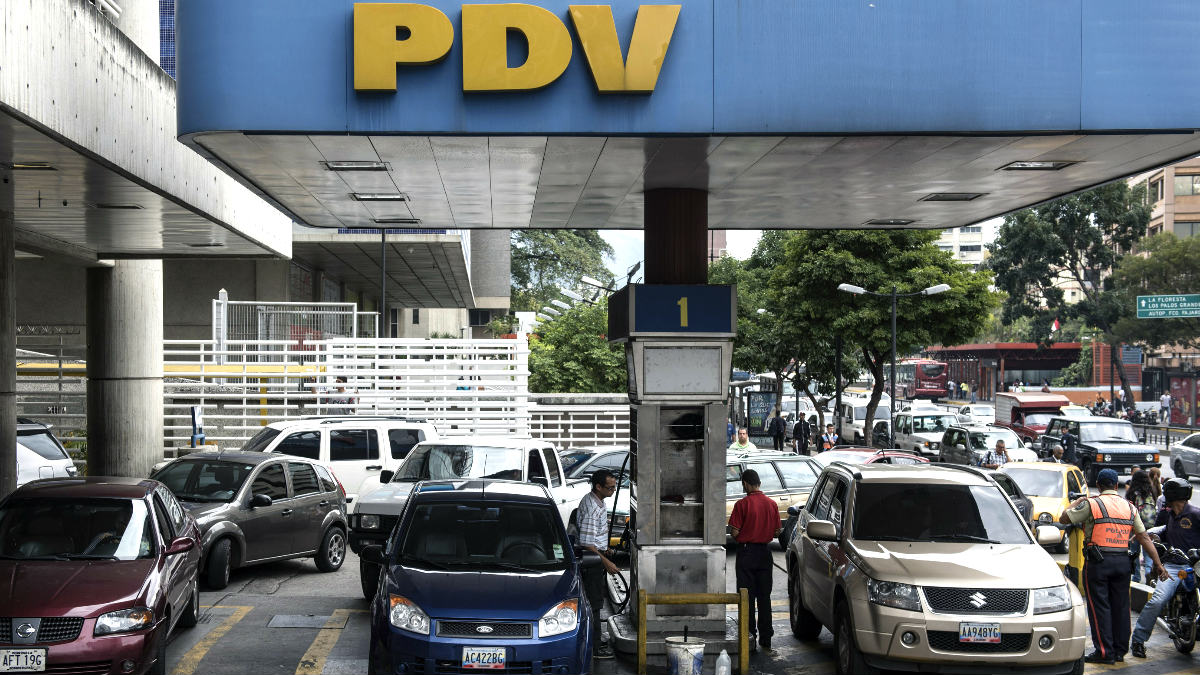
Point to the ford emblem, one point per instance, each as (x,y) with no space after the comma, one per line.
(483,629)
(26,631)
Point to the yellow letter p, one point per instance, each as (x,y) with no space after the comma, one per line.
(378,47)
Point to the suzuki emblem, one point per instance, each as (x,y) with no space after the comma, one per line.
(977,599)
(483,629)
(26,631)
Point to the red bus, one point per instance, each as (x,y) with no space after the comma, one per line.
(920,378)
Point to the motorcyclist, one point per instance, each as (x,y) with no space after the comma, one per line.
(1182,531)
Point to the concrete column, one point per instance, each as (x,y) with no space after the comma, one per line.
(676,236)
(491,263)
(139,22)
(8,341)
(125,356)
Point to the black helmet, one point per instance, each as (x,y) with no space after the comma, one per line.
(1177,488)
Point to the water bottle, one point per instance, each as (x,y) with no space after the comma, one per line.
(723,665)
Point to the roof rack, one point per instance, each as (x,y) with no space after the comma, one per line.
(330,419)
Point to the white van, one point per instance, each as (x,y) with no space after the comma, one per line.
(356,448)
(853,415)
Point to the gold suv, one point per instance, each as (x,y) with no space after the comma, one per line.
(929,567)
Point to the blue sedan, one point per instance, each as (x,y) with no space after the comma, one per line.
(479,575)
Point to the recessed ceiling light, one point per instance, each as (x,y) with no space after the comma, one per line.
(1037,165)
(379,196)
(28,166)
(118,207)
(357,166)
(396,221)
(889,222)
(952,196)
(211,244)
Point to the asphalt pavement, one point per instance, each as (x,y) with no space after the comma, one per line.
(287,617)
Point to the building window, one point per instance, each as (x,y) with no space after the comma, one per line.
(971,248)
(478,317)
(1187,185)
(166,36)
(416,317)
(1185,229)
(1155,194)
(946,247)
(971,229)
(393,322)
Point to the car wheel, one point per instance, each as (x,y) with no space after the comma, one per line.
(332,553)
(216,572)
(1178,469)
(191,613)
(377,664)
(804,625)
(368,578)
(1077,667)
(160,655)
(850,660)
(1089,473)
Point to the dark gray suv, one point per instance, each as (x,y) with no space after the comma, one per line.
(253,508)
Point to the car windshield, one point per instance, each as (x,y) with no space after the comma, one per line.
(933,423)
(482,535)
(986,440)
(933,512)
(1036,482)
(1107,431)
(933,369)
(442,462)
(43,444)
(570,460)
(1076,412)
(259,442)
(76,529)
(799,474)
(199,480)
(981,411)
(850,457)
(1037,419)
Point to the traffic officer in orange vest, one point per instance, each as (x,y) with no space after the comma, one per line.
(1108,522)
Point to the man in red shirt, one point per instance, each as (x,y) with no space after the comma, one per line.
(755,524)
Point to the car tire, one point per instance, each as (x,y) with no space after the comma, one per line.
(1179,471)
(804,624)
(191,613)
(368,578)
(160,655)
(219,565)
(848,659)
(332,553)
(1078,666)
(376,663)
(1089,473)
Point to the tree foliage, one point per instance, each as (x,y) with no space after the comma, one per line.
(816,261)
(1170,266)
(545,261)
(1077,240)
(571,354)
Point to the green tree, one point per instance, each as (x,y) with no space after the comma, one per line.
(816,261)
(546,261)
(1167,266)
(571,354)
(1078,240)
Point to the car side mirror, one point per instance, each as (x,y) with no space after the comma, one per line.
(793,511)
(1073,495)
(373,554)
(821,530)
(586,558)
(1048,535)
(385,476)
(960,447)
(180,545)
(259,500)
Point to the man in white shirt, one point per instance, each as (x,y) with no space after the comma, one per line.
(1164,407)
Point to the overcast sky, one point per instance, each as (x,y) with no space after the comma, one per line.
(627,248)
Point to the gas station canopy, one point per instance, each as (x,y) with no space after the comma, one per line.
(821,114)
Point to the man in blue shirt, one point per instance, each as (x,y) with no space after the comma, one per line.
(1182,521)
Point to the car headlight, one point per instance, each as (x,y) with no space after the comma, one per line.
(1108,458)
(405,615)
(368,522)
(1045,519)
(72,471)
(1052,599)
(124,621)
(1150,458)
(893,594)
(562,618)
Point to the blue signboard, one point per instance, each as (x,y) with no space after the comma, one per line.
(673,310)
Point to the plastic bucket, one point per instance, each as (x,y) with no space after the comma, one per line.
(685,656)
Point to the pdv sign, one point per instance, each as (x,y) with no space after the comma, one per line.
(391,34)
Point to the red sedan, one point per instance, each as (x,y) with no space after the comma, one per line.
(863,455)
(94,574)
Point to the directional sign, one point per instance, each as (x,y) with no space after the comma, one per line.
(1168,306)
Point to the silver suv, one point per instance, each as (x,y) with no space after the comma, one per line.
(929,567)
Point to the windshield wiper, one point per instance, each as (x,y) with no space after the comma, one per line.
(886,537)
(88,556)
(962,537)
(1114,438)
(423,561)
(511,566)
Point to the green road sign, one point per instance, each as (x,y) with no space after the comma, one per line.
(1168,306)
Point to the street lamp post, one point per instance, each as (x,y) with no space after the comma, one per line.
(859,290)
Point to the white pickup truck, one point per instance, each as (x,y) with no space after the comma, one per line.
(453,458)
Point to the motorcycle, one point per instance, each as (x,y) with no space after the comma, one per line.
(1181,614)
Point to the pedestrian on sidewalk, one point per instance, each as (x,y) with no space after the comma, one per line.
(754,524)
